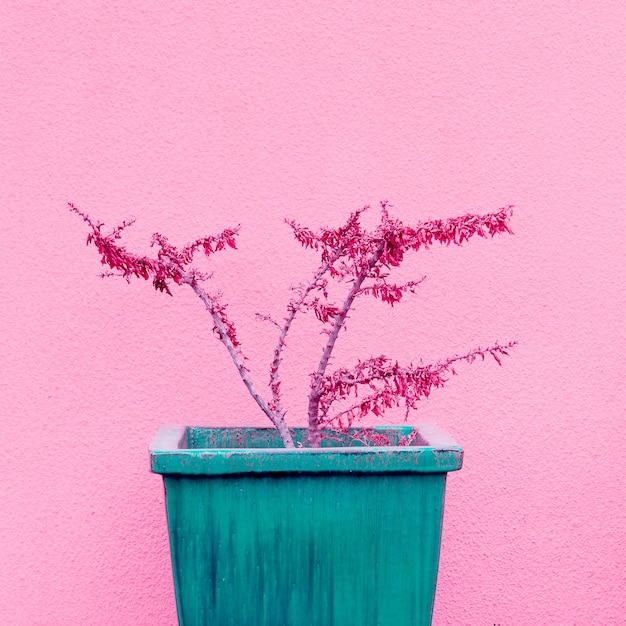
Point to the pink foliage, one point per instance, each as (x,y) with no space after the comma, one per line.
(351,255)
(169,264)
(387,384)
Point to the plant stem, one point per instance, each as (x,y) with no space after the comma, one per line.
(276,419)
(294,308)
(340,318)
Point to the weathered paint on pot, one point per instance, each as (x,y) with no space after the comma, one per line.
(336,536)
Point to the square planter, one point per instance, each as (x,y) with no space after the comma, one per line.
(343,535)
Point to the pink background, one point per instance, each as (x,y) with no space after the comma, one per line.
(193,116)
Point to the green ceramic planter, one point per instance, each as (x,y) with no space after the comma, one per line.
(340,536)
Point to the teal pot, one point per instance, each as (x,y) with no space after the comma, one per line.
(343,535)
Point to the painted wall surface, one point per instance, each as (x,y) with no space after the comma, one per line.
(194,116)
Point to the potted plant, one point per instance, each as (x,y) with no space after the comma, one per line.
(327,525)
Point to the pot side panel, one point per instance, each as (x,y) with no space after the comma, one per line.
(305,549)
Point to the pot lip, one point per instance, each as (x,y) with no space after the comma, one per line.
(171,453)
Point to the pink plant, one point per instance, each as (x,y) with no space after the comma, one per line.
(350,255)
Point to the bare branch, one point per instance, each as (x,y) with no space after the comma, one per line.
(224,331)
(295,306)
(267,318)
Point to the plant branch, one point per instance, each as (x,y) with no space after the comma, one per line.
(316,384)
(295,306)
(224,336)
(391,384)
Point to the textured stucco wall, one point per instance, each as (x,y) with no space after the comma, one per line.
(193,116)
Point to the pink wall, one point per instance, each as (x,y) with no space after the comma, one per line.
(193,116)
